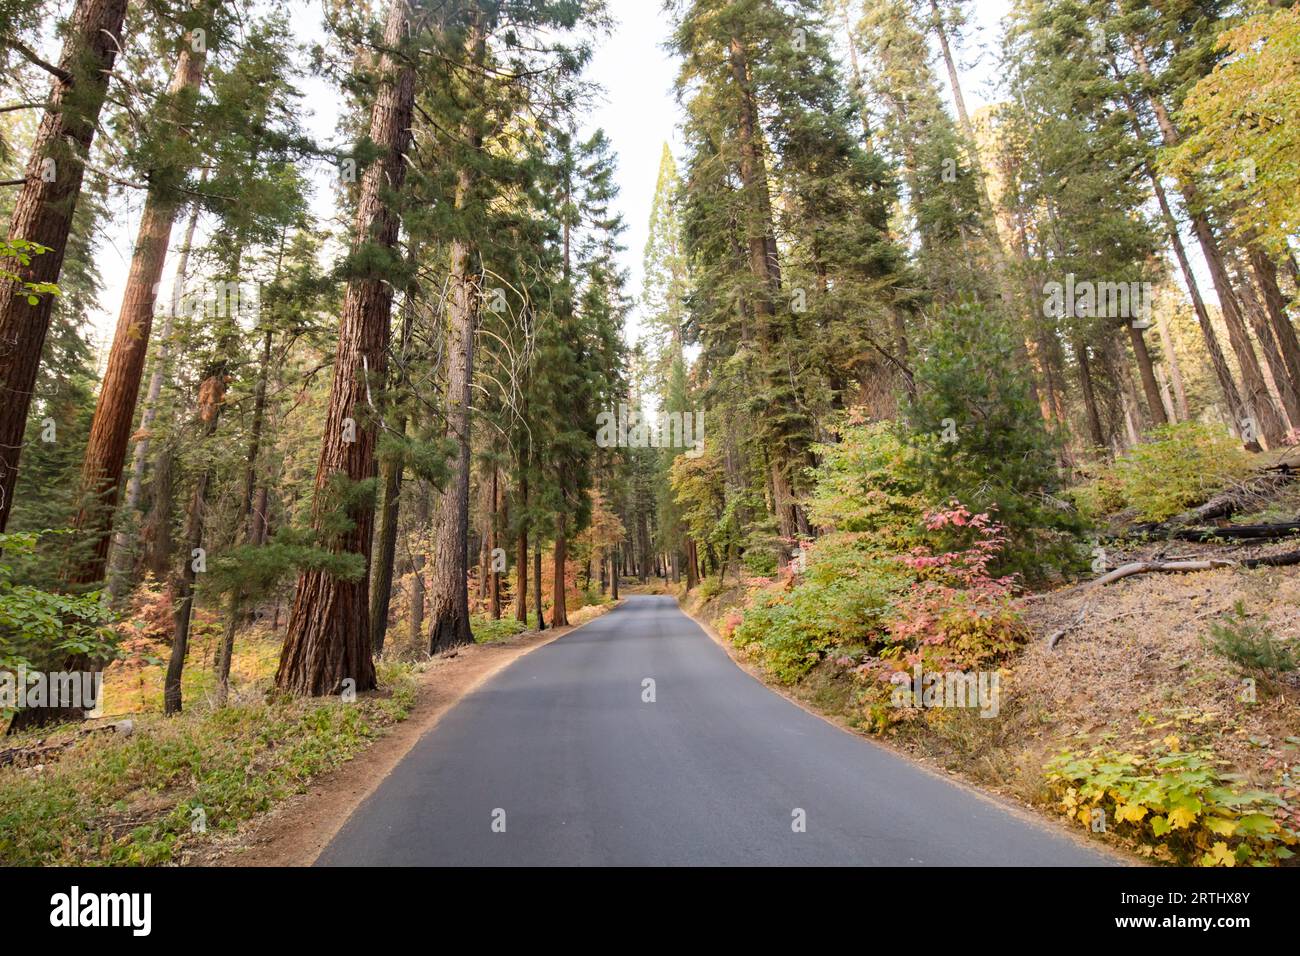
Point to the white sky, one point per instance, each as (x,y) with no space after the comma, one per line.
(638,112)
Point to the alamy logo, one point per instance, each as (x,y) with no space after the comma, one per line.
(975,690)
(24,690)
(1099,300)
(75,909)
(628,428)
(213,299)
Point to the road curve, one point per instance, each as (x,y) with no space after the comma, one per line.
(557,760)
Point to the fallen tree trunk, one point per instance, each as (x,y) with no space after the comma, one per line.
(1286,559)
(1223,505)
(1246,532)
(40,752)
(1147,567)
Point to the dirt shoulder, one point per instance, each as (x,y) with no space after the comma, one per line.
(298,829)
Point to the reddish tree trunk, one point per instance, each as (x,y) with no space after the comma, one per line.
(537,585)
(521,557)
(328,639)
(43,214)
(559,611)
(449,598)
(1148,374)
(118,582)
(110,430)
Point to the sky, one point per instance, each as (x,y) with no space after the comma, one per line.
(638,111)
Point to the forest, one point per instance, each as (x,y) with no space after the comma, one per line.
(906,383)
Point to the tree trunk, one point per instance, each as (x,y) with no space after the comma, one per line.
(183,584)
(1148,375)
(449,601)
(537,583)
(118,579)
(1275,370)
(1175,369)
(417,569)
(1095,431)
(385,553)
(328,639)
(494,584)
(764,264)
(521,555)
(1275,304)
(1231,396)
(156,534)
(110,430)
(248,522)
(43,213)
(1264,416)
(559,610)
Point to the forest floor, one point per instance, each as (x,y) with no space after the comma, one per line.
(1131,674)
(265,780)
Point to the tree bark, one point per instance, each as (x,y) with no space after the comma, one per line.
(1148,375)
(449,601)
(521,555)
(183,584)
(494,584)
(559,609)
(1231,396)
(537,584)
(1275,303)
(416,620)
(328,639)
(764,263)
(1095,431)
(43,213)
(385,553)
(449,625)
(122,541)
(110,430)
(1175,369)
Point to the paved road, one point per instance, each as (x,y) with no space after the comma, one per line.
(561,748)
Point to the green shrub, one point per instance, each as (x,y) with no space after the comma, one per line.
(1178,807)
(1099,497)
(487,631)
(1181,466)
(844,598)
(710,588)
(1251,646)
(866,482)
(42,629)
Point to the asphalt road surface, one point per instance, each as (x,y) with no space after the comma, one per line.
(558,760)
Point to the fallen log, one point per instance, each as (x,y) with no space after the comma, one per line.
(1246,532)
(29,755)
(1225,504)
(1147,567)
(1284,560)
